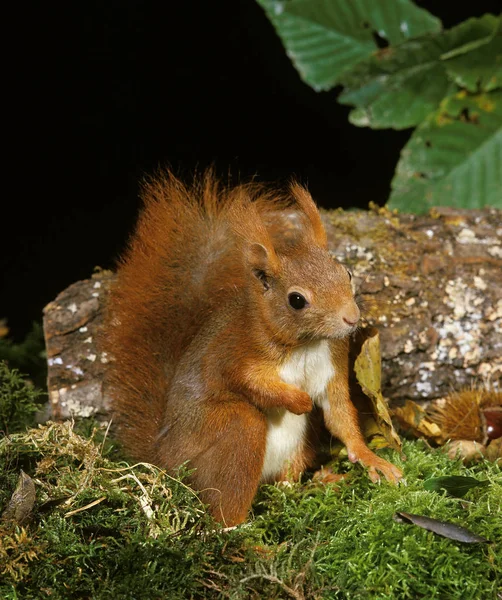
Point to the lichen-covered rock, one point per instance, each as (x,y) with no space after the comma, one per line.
(432,285)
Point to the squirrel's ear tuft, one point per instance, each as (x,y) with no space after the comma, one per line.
(305,203)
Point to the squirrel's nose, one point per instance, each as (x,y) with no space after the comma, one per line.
(351,317)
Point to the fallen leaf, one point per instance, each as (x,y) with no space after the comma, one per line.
(368,369)
(22,500)
(455,485)
(412,418)
(466,450)
(444,528)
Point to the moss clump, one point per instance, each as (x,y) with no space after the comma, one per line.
(19,401)
(28,356)
(103,529)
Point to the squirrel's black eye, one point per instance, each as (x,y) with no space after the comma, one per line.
(296,301)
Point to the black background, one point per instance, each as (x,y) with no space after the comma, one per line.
(104,92)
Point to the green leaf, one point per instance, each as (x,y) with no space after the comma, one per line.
(454,157)
(325,38)
(455,485)
(398,87)
(478,67)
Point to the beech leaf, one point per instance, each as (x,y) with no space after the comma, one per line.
(453,157)
(326,38)
(399,86)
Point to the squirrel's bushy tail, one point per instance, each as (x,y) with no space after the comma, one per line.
(180,263)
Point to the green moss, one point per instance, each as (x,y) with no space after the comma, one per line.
(19,401)
(361,552)
(104,529)
(28,356)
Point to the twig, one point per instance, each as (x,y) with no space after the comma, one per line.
(293,593)
(77,510)
(145,501)
(105,436)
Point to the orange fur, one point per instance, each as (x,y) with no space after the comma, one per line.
(200,322)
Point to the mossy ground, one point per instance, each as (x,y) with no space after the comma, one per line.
(102,528)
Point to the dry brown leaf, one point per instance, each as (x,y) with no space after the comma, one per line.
(466,450)
(22,500)
(368,369)
(412,418)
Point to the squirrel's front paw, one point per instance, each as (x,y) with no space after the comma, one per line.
(299,402)
(376,465)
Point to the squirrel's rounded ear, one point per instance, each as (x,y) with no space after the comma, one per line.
(261,258)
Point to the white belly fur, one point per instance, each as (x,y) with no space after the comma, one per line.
(310,369)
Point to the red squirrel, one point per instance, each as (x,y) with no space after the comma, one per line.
(229,320)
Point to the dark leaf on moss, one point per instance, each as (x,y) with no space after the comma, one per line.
(444,528)
(455,485)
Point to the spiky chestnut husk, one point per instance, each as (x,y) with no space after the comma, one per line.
(474,414)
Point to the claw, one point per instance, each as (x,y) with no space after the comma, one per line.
(375,464)
(373,475)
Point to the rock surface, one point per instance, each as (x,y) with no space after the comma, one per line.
(76,366)
(433,287)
